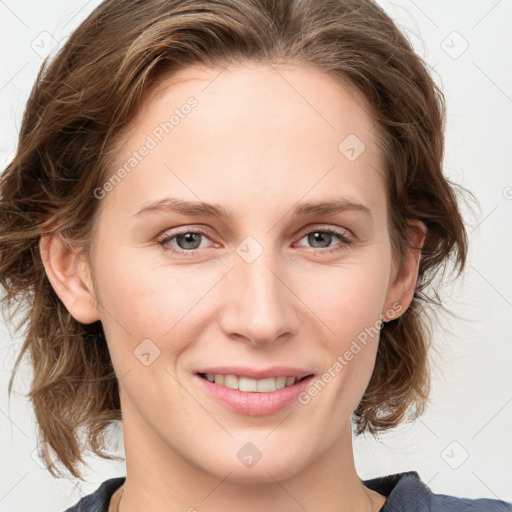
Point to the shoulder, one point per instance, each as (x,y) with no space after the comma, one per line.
(406,492)
(99,500)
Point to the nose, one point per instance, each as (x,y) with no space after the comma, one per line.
(259,305)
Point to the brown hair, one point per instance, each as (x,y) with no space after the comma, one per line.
(91,90)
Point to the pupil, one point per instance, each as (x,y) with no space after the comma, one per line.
(188,239)
(318,236)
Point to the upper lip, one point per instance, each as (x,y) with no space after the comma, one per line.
(255,373)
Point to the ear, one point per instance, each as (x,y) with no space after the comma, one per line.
(69,274)
(403,284)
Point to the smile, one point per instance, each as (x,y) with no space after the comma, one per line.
(249,385)
(253,397)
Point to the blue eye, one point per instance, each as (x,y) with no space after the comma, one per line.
(187,243)
(325,237)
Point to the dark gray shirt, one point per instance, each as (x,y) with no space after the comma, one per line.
(405,493)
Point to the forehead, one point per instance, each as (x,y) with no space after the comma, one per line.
(252,131)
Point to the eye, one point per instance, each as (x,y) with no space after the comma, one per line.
(188,241)
(185,242)
(324,237)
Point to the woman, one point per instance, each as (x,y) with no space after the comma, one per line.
(178,162)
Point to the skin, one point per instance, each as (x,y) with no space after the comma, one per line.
(260,140)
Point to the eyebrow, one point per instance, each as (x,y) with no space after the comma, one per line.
(200,208)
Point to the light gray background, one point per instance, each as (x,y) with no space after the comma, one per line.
(462,445)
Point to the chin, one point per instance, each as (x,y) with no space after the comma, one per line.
(261,471)
(261,475)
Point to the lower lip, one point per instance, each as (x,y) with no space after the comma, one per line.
(252,403)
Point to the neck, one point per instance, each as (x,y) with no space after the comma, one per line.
(159,479)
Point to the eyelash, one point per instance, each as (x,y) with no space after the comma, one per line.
(347,240)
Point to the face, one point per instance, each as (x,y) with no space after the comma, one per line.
(280,277)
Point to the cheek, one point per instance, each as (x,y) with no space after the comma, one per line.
(350,306)
(351,298)
(142,302)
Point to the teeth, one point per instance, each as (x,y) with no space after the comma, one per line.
(230,381)
(266,385)
(252,385)
(243,384)
(280,382)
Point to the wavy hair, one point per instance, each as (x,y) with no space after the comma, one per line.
(92,88)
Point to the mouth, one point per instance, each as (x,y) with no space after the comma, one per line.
(254,397)
(249,385)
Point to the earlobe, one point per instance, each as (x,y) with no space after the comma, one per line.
(69,274)
(401,290)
